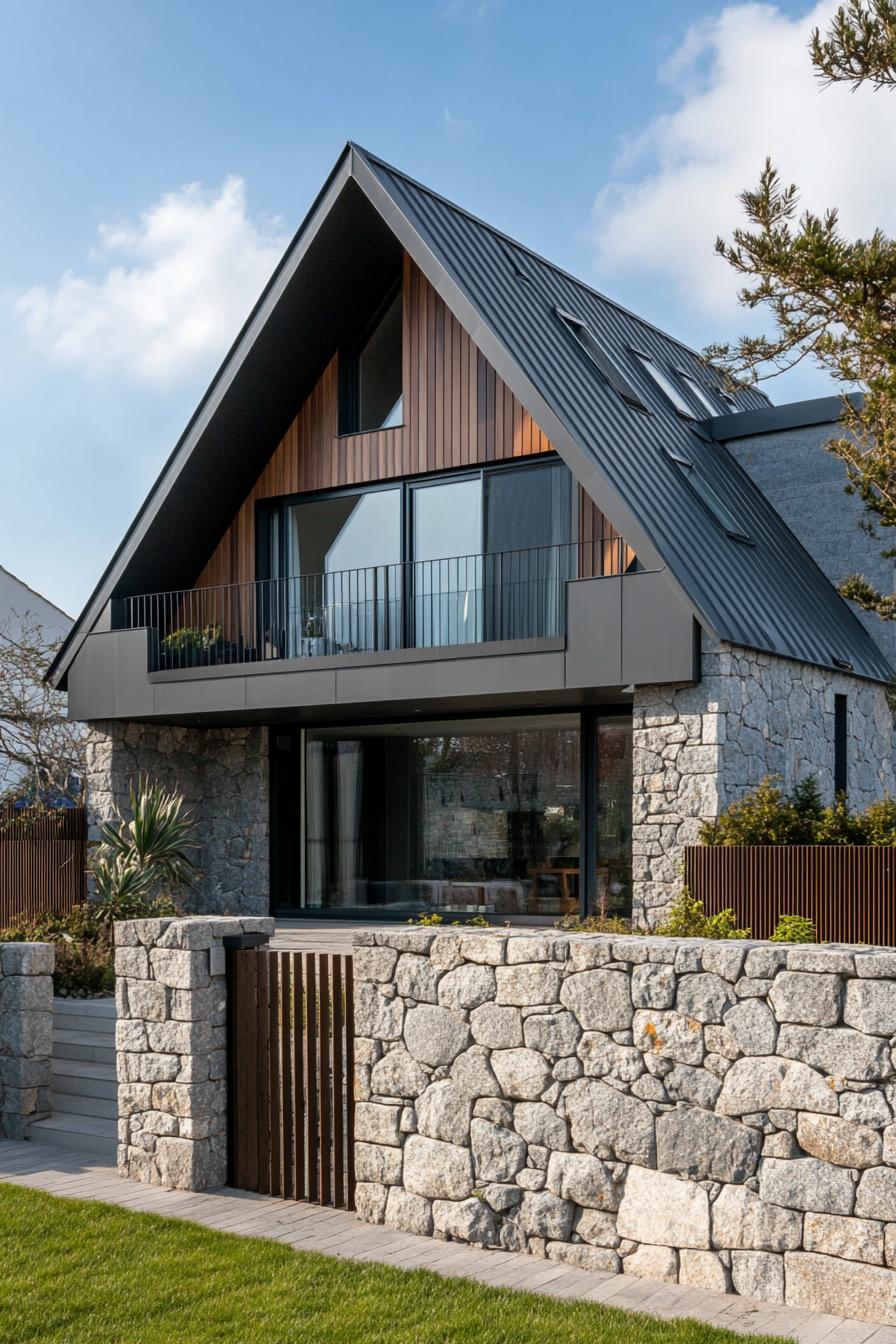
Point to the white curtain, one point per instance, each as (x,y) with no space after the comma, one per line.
(349,782)
(315,824)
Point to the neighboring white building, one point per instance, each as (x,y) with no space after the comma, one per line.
(18,601)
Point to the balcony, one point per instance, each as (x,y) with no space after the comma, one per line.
(432,604)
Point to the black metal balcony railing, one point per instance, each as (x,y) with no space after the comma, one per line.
(466,599)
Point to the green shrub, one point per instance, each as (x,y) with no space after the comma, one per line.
(769,816)
(687,918)
(596,924)
(794,929)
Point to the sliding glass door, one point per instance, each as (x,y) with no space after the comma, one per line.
(446,573)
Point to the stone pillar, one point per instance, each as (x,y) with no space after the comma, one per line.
(171,1039)
(26,1035)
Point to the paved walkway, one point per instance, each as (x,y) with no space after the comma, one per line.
(333,1232)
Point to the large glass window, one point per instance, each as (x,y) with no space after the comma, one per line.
(342,586)
(447,569)
(528,552)
(475,816)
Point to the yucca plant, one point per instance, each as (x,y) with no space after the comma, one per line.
(149,850)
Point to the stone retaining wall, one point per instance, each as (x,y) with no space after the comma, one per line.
(171,1044)
(720,1114)
(26,1035)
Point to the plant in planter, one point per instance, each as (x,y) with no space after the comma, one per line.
(314,642)
(192,646)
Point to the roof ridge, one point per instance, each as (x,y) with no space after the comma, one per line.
(524,247)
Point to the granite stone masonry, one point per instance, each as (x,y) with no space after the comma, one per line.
(171,994)
(26,1035)
(698,748)
(223,775)
(722,1114)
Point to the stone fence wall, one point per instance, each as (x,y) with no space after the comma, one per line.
(171,1046)
(26,1035)
(720,1114)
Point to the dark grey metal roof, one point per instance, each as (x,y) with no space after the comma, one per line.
(769,595)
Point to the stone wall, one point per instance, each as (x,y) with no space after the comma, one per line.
(223,774)
(171,1039)
(26,1035)
(720,1114)
(698,748)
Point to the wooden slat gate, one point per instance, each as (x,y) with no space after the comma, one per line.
(291,1075)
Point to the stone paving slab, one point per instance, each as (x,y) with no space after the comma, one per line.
(336,1233)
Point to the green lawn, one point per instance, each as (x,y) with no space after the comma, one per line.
(74,1273)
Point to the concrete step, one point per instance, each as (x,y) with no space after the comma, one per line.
(83,1103)
(102,1008)
(99,1025)
(75,1076)
(78,1133)
(91,1047)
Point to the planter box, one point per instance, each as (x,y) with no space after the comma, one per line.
(848,890)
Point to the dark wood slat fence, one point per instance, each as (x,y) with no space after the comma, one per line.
(291,1075)
(42,861)
(848,890)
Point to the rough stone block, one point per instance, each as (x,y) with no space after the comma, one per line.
(607,1123)
(752,1027)
(27,959)
(378,1164)
(840,1141)
(370,1201)
(704,1146)
(377,1014)
(704,997)
(743,1221)
(876,1195)
(148,1000)
(755,1084)
(466,1220)
(527,985)
(585,1180)
(554,1034)
(436,1170)
(374,963)
(398,1074)
(661,1210)
(600,1000)
(443,1112)
(543,1214)
(377,1124)
(467,986)
(417,977)
(807,1184)
(540,1124)
(798,996)
(434,1036)
(839,1051)
(849,1238)
(840,1287)
(132,963)
(758,1274)
(179,969)
(652,1262)
(597,1259)
(522,1074)
(702,1269)
(870,1006)
(498,1153)
(653,986)
(410,1213)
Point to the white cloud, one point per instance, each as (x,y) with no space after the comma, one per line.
(454,123)
(171,290)
(743,87)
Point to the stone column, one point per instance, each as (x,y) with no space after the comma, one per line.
(26,1035)
(171,1039)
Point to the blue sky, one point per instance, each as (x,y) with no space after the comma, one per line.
(156,157)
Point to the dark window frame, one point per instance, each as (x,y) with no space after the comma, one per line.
(604,363)
(349,361)
(841,739)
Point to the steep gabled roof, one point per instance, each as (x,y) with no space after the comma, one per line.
(766,594)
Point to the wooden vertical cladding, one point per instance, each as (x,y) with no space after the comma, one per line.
(848,891)
(291,1108)
(457,413)
(43,857)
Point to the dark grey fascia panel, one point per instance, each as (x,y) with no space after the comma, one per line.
(660,641)
(771,419)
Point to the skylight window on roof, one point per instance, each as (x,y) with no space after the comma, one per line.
(596,353)
(699,393)
(701,487)
(670,389)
